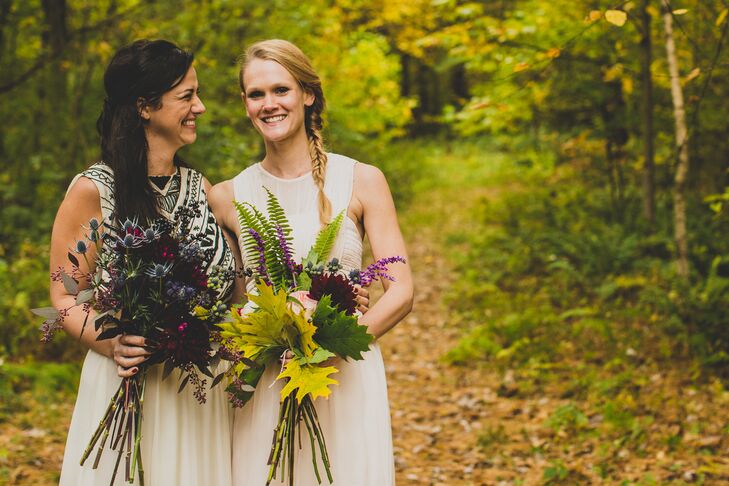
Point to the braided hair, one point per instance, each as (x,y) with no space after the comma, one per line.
(295,62)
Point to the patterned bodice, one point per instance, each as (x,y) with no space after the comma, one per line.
(185,188)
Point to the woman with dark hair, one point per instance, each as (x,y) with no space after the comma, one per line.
(150,112)
(284,100)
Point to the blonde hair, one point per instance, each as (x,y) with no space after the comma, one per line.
(295,62)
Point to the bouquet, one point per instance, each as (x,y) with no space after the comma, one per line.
(306,308)
(150,282)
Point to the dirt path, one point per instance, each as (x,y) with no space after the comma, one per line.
(438,410)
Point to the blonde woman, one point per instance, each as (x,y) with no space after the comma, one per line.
(284,100)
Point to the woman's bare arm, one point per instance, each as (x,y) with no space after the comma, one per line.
(80,205)
(373,205)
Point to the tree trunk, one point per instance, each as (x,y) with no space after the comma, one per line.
(53,88)
(646,57)
(682,167)
(405,75)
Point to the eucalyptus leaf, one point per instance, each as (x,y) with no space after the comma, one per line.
(69,283)
(50,313)
(183,384)
(72,258)
(168,367)
(217,379)
(84,296)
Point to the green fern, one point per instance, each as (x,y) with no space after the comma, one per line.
(319,253)
(277,215)
(250,217)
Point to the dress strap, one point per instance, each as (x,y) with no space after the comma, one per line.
(103,178)
(339,181)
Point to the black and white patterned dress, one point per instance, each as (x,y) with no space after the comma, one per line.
(183,442)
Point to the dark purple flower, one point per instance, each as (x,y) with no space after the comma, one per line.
(337,287)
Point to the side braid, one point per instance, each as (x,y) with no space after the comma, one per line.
(319,164)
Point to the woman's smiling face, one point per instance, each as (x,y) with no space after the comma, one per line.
(173,124)
(274,100)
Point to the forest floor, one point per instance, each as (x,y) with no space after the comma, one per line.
(467,424)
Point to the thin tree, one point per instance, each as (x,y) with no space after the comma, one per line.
(682,167)
(646,58)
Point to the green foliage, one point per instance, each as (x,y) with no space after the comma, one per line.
(274,248)
(46,381)
(567,417)
(338,332)
(319,253)
(565,267)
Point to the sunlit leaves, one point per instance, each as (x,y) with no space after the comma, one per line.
(722,17)
(616,17)
(307,379)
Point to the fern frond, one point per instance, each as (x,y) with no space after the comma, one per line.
(319,253)
(276,213)
(248,220)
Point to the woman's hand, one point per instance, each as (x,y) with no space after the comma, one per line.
(362,299)
(128,352)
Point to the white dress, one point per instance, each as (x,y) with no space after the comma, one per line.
(355,418)
(184,443)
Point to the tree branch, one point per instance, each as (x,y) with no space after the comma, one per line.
(50,56)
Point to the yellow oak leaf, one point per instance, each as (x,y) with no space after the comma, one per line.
(306,330)
(307,380)
(269,301)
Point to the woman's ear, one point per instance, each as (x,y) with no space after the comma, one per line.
(143,109)
(309,98)
(245,106)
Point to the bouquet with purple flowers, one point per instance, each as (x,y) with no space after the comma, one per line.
(153,282)
(307,308)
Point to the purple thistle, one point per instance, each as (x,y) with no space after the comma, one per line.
(261,269)
(378,270)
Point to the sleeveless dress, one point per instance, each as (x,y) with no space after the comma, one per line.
(355,418)
(184,443)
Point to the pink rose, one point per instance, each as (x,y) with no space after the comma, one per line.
(307,303)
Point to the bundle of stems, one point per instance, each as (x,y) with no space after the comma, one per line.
(283,450)
(122,422)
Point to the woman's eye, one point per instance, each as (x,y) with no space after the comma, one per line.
(255,94)
(282,90)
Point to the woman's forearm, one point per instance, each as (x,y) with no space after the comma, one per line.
(392,307)
(73,324)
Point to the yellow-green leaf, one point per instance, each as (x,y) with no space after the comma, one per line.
(306,330)
(680,11)
(307,380)
(201,312)
(616,17)
(722,16)
(268,300)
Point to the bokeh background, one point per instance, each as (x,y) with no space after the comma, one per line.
(569,241)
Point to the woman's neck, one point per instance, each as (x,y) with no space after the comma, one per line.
(160,163)
(288,159)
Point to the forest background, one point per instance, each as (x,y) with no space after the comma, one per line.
(567,160)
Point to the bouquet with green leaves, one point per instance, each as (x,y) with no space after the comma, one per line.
(308,309)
